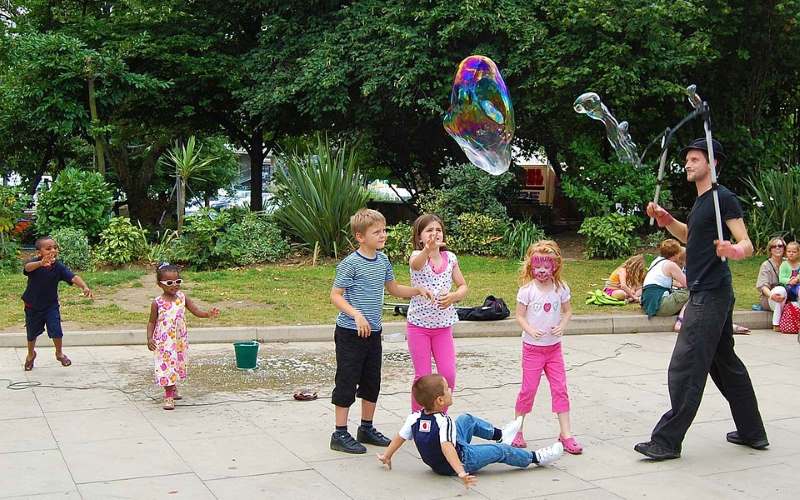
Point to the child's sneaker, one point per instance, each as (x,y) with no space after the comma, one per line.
(511,430)
(549,454)
(571,445)
(344,441)
(519,441)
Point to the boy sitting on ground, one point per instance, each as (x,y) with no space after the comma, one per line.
(447,448)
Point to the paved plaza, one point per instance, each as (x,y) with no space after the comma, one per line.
(246,439)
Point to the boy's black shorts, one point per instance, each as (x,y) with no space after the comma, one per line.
(35,322)
(358,366)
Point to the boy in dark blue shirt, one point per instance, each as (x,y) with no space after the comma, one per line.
(446,447)
(41,298)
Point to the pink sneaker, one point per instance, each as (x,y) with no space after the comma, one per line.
(519,441)
(571,446)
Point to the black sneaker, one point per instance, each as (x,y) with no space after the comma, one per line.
(758,444)
(656,451)
(371,435)
(343,441)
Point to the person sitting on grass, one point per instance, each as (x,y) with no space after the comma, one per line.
(42,309)
(447,448)
(625,283)
(658,296)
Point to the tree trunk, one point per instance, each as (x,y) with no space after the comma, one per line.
(99,152)
(181,197)
(37,177)
(257,154)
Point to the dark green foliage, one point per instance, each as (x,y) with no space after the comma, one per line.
(610,236)
(398,243)
(73,248)
(519,236)
(597,186)
(78,199)
(197,246)
(9,256)
(211,239)
(255,239)
(773,206)
(478,234)
(121,242)
(316,191)
(468,189)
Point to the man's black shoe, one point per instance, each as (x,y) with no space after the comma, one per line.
(343,441)
(758,444)
(371,435)
(656,451)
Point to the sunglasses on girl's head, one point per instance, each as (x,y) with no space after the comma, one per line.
(171,282)
(778,245)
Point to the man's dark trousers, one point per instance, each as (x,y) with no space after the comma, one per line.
(705,346)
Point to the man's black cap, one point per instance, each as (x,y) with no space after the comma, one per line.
(702,145)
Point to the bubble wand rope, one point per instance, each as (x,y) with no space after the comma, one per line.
(704,109)
(666,137)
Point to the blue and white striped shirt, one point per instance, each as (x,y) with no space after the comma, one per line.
(363,281)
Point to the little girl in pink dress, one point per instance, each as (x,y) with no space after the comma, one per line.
(166,332)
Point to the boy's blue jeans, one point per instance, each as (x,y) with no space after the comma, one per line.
(477,456)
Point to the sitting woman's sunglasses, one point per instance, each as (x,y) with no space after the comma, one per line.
(171,282)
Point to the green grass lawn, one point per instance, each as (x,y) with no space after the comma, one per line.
(298,295)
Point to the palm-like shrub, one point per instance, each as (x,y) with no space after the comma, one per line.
(316,192)
(773,206)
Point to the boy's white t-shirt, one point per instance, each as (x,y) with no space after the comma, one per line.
(544,310)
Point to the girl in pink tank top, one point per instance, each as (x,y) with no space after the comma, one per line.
(430,324)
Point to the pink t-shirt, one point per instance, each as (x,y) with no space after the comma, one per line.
(544,310)
(424,313)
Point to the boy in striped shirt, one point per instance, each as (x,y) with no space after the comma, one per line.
(446,447)
(357,292)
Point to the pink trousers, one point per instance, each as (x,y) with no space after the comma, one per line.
(535,359)
(424,343)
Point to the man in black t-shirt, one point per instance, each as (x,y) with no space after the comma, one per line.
(705,343)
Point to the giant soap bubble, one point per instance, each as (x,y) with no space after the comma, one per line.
(481,118)
(590,105)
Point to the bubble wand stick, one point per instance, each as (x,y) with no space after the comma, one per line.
(704,109)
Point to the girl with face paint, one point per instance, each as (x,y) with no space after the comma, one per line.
(543,311)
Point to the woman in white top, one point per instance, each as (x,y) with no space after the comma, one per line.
(773,294)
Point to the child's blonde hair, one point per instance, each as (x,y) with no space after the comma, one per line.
(795,245)
(544,247)
(634,270)
(364,218)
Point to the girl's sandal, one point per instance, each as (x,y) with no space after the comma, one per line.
(65,361)
(169,403)
(177,397)
(29,363)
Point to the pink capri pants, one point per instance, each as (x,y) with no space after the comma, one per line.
(424,343)
(535,359)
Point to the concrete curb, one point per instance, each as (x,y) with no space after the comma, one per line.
(580,325)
